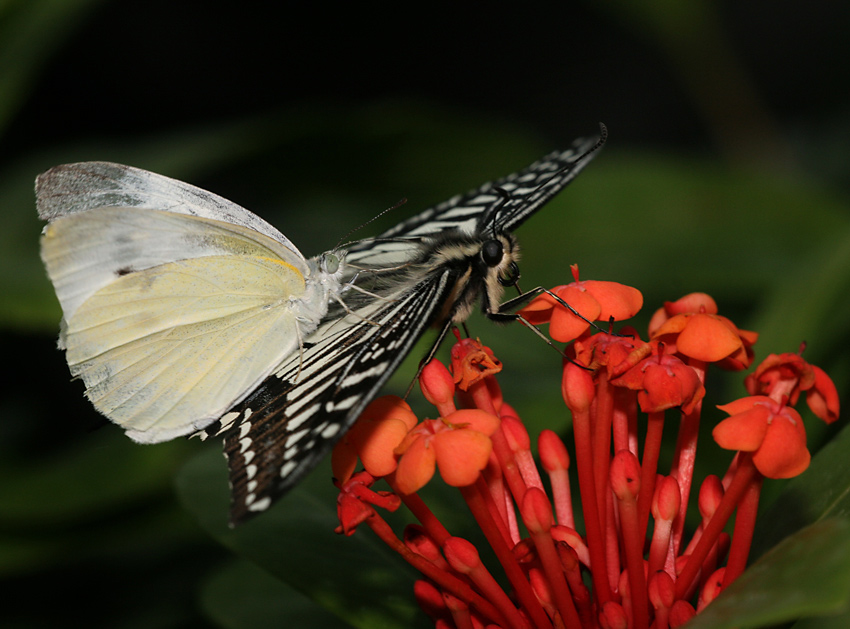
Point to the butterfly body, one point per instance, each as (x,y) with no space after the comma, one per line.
(307,343)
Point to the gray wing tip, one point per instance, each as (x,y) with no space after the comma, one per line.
(58,188)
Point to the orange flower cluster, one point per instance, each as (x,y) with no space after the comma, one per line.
(480,446)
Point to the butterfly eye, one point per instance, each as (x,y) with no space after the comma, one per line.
(511,276)
(330,262)
(491,253)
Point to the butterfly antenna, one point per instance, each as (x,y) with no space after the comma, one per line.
(397,205)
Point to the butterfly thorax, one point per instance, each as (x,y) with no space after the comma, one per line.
(477,265)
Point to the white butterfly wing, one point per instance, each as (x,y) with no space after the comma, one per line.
(74,188)
(171,318)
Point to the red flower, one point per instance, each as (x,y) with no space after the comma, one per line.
(772,431)
(381,427)
(458,444)
(593,300)
(702,334)
(787,375)
(663,381)
(472,362)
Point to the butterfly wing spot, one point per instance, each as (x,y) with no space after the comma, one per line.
(260,505)
(287,468)
(330,431)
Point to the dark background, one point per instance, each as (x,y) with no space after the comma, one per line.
(726,171)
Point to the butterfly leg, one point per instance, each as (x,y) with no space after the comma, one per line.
(430,356)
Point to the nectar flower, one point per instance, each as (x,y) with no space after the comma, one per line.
(458,444)
(592,299)
(772,431)
(663,381)
(472,362)
(789,374)
(691,326)
(382,426)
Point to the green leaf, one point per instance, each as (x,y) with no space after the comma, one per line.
(243,596)
(808,574)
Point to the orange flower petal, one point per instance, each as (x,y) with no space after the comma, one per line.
(539,310)
(387,407)
(783,453)
(376,450)
(616,300)
(565,326)
(461,455)
(473,419)
(416,467)
(708,339)
(691,304)
(823,397)
(743,431)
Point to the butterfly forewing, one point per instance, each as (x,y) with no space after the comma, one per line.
(508,201)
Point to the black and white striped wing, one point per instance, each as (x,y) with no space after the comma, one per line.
(507,201)
(283,429)
(280,431)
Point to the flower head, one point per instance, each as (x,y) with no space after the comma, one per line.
(772,431)
(458,444)
(787,375)
(692,327)
(663,381)
(472,362)
(593,300)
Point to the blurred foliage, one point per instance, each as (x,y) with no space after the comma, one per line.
(91,521)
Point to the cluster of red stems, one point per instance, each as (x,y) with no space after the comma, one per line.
(481,446)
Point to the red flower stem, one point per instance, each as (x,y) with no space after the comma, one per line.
(562,497)
(658,549)
(742,536)
(624,425)
(740,484)
(685,457)
(649,467)
(495,512)
(612,540)
(602,441)
(464,558)
(421,512)
(555,575)
(443,579)
(522,588)
(507,462)
(461,616)
(633,544)
(587,490)
(483,400)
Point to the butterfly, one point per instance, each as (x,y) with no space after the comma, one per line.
(185,314)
